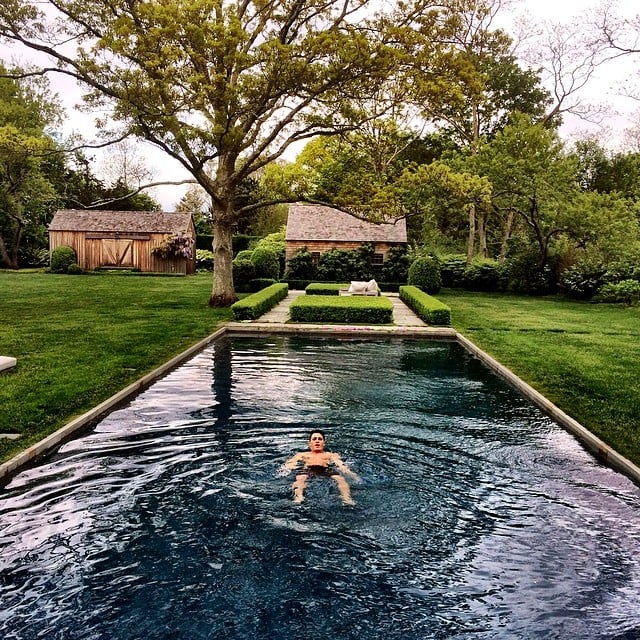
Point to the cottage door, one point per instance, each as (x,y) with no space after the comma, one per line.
(117,253)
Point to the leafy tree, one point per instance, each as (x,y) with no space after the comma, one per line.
(491,86)
(26,195)
(223,87)
(533,181)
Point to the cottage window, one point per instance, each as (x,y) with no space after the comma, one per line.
(315,257)
(377,259)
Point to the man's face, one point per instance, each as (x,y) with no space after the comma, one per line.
(316,443)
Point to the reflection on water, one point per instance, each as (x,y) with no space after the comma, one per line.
(477,517)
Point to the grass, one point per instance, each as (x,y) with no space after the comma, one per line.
(583,357)
(80,339)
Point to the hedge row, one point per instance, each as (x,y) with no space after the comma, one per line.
(430,309)
(342,309)
(256,304)
(325,288)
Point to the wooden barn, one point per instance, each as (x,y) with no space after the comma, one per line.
(320,228)
(122,239)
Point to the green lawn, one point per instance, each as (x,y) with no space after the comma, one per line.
(583,357)
(80,339)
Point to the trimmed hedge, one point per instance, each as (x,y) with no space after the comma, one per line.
(431,310)
(325,288)
(256,304)
(342,309)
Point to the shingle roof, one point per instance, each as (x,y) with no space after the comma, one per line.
(119,221)
(309,222)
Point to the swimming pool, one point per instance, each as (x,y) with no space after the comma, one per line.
(477,517)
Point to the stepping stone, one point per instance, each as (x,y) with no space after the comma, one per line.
(9,436)
(7,362)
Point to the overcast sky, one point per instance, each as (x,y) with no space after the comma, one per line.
(604,87)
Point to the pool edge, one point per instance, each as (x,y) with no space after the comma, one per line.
(601,451)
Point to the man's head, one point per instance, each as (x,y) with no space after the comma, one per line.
(316,441)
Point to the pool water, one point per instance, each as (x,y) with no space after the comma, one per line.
(477,516)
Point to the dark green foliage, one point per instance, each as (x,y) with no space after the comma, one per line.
(342,309)
(256,304)
(452,271)
(243,271)
(424,273)
(431,310)
(484,275)
(396,266)
(339,265)
(205,242)
(61,258)
(524,273)
(254,285)
(300,266)
(625,292)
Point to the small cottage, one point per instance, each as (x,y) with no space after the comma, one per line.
(320,228)
(124,239)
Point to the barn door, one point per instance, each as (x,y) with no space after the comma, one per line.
(117,253)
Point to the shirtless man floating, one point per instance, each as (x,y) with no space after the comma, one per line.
(318,462)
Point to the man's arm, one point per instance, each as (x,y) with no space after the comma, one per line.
(292,462)
(343,467)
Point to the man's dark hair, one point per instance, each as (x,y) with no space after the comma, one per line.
(318,431)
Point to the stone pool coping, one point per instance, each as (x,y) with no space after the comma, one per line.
(601,451)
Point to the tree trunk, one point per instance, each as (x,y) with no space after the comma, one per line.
(482,236)
(506,235)
(472,233)
(223,293)
(10,261)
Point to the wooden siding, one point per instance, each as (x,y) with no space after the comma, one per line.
(125,251)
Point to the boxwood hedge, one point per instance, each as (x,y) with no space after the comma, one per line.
(325,288)
(256,304)
(430,309)
(342,309)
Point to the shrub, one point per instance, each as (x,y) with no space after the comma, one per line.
(523,273)
(300,266)
(275,242)
(266,262)
(256,304)
(484,275)
(204,260)
(583,279)
(61,258)
(431,310)
(424,273)
(75,269)
(245,254)
(626,292)
(452,271)
(342,309)
(243,271)
(396,266)
(325,288)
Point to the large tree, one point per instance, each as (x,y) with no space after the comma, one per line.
(491,85)
(224,87)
